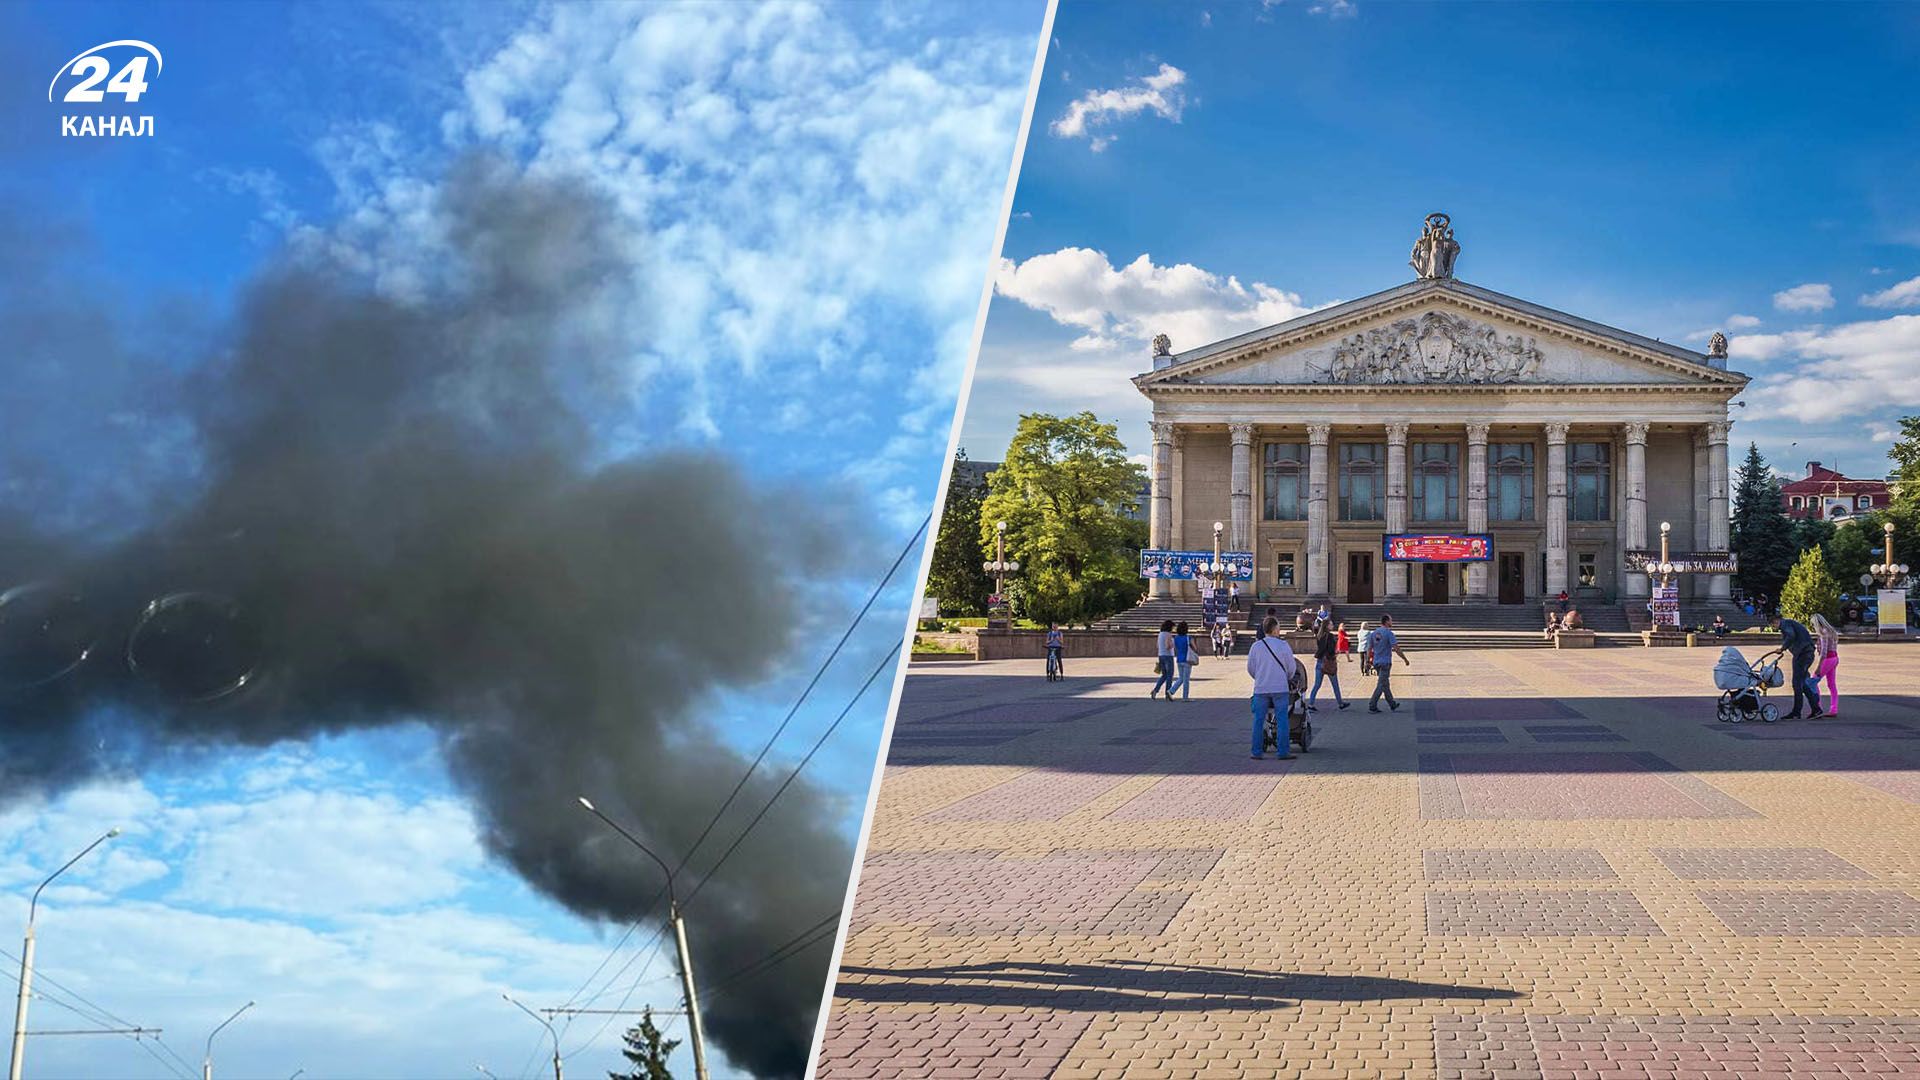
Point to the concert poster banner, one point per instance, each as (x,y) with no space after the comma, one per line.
(1437,547)
(1191,565)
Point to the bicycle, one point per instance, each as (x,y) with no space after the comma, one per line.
(1055,673)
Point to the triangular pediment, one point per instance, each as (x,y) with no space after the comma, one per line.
(1434,334)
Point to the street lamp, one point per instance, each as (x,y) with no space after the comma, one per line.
(1000,566)
(1889,572)
(679,926)
(26,959)
(206,1063)
(544,1022)
(1217,568)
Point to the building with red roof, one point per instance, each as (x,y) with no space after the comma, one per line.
(1826,494)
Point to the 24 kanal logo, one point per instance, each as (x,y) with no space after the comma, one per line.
(92,78)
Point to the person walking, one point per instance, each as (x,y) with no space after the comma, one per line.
(1797,643)
(1271,663)
(1184,658)
(1326,666)
(1233,596)
(1343,642)
(1382,645)
(1164,649)
(1826,645)
(1366,655)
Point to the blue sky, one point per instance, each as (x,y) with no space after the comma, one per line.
(1666,168)
(817,190)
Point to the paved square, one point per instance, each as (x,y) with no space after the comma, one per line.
(1547,867)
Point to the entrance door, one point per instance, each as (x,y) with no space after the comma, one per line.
(1359,577)
(1513,577)
(1433,583)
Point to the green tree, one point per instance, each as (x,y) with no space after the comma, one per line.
(1762,532)
(1065,490)
(1905,453)
(955,577)
(1850,551)
(1810,590)
(647,1050)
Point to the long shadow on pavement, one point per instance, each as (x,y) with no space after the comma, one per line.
(1123,985)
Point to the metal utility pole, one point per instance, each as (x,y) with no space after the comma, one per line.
(26,961)
(206,1063)
(551,1034)
(679,927)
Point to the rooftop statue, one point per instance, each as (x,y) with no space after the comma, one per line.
(1434,252)
(1162,345)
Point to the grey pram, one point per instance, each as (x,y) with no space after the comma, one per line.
(1743,687)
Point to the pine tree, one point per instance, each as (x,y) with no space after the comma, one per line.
(647,1051)
(1762,532)
(955,578)
(1810,590)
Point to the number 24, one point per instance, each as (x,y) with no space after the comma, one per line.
(129,82)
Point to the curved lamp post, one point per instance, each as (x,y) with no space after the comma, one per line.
(551,1034)
(679,926)
(206,1063)
(26,958)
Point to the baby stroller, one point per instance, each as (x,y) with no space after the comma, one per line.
(1299,728)
(1743,686)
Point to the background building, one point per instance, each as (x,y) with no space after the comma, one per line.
(1826,494)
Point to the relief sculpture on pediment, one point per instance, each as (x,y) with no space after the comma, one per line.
(1435,347)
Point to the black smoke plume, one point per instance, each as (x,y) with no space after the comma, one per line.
(396,514)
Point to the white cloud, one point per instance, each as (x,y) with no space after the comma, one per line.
(1112,307)
(1809,297)
(1905,294)
(1163,93)
(1335,9)
(1833,373)
(1742,322)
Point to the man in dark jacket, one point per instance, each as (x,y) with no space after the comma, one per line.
(1799,645)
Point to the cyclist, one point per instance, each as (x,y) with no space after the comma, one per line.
(1055,642)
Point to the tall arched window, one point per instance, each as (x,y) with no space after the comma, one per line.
(1511,481)
(1284,482)
(1363,481)
(1590,481)
(1436,481)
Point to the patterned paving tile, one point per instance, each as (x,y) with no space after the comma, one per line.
(1163,736)
(1516,864)
(916,739)
(1039,795)
(1538,913)
(1897,776)
(1564,785)
(1562,733)
(1204,797)
(1026,712)
(1816,730)
(1783,913)
(1495,710)
(1672,1047)
(1758,864)
(984,890)
(1468,733)
(864,1044)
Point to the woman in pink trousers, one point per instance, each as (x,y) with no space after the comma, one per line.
(1826,662)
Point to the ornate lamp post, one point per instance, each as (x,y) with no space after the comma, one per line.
(1000,566)
(1889,572)
(1662,569)
(1217,568)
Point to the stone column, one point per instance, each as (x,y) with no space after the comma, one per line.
(1319,531)
(1177,504)
(1719,523)
(1557,508)
(1160,514)
(1637,584)
(1478,579)
(1696,585)
(1396,573)
(1241,524)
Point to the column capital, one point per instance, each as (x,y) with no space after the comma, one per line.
(1241,432)
(1636,431)
(1397,433)
(1179,439)
(1162,430)
(1318,434)
(1717,432)
(1477,431)
(1557,431)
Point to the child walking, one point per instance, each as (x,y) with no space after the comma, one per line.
(1826,664)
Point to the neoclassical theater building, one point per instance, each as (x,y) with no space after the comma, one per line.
(1443,407)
